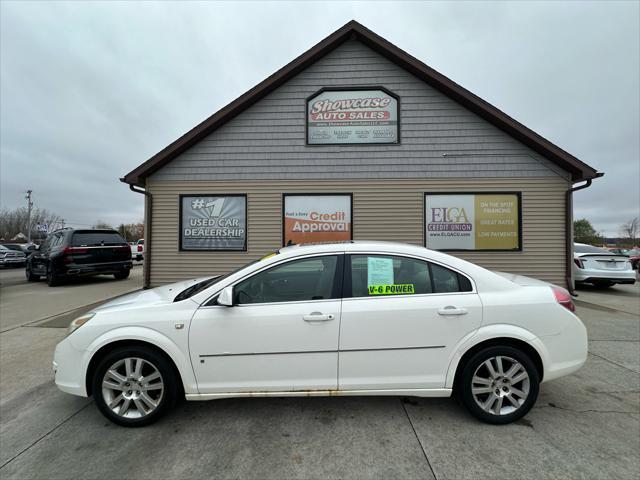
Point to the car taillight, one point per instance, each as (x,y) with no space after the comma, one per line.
(578,262)
(139,248)
(563,297)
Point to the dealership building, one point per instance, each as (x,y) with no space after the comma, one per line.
(357,140)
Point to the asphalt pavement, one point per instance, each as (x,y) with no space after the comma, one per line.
(586,425)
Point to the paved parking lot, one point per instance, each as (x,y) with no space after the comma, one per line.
(584,426)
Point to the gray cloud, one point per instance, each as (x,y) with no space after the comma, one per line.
(91,90)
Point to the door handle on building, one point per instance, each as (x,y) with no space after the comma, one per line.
(451,310)
(318,317)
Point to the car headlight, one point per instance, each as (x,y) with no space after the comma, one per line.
(78,322)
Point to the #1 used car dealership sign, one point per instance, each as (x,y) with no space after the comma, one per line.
(352,116)
(213,222)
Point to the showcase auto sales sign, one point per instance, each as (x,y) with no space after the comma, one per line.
(352,116)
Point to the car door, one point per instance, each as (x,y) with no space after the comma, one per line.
(402,321)
(281,334)
(40,257)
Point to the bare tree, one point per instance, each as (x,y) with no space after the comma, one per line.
(15,221)
(631,229)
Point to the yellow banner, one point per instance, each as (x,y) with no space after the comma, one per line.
(397,289)
(496,222)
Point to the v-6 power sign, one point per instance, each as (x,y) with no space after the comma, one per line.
(213,222)
(352,116)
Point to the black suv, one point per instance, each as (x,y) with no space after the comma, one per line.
(72,253)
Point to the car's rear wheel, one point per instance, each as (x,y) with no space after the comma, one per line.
(121,275)
(53,280)
(499,384)
(134,386)
(31,277)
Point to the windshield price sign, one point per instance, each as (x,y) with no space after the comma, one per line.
(213,222)
(352,116)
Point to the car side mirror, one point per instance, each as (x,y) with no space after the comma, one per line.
(226,297)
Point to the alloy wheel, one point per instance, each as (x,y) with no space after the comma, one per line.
(500,385)
(132,387)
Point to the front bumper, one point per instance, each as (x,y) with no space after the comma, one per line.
(69,368)
(12,262)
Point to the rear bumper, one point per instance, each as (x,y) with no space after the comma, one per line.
(75,269)
(589,276)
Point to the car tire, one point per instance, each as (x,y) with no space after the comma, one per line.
(53,280)
(31,277)
(502,393)
(121,275)
(140,410)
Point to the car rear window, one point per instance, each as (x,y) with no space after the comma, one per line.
(590,249)
(90,239)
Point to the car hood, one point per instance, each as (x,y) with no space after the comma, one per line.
(152,296)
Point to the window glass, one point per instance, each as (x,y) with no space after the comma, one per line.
(381,275)
(89,239)
(578,248)
(444,280)
(298,280)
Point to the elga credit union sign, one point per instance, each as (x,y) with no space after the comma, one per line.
(316,218)
(352,116)
(213,222)
(472,221)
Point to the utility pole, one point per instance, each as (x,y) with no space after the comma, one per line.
(29,207)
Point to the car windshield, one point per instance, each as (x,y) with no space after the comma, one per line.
(632,253)
(590,249)
(200,286)
(17,248)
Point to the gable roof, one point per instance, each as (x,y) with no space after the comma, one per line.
(354,30)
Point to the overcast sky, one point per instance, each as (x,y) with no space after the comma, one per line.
(90,90)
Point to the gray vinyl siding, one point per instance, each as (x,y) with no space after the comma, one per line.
(382,210)
(439,138)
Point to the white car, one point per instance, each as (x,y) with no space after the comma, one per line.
(601,267)
(356,318)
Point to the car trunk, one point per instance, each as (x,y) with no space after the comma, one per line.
(596,261)
(98,247)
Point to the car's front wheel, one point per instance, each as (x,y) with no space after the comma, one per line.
(499,384)
(31,277)
(134,386)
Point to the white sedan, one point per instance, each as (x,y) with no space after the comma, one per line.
(600,267)
(357,318)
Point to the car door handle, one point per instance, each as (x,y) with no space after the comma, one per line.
(318,317)
(451,310)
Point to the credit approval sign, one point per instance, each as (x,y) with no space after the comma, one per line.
(351,117)
(316,218)
(473,221)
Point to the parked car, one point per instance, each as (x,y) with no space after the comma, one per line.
(634,257)
(25,248)
(74,253)
(618,251)
(357,318)
(137,250)
(600,267)
(11,258)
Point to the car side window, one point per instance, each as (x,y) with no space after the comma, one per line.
(383,275)
(298,280)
